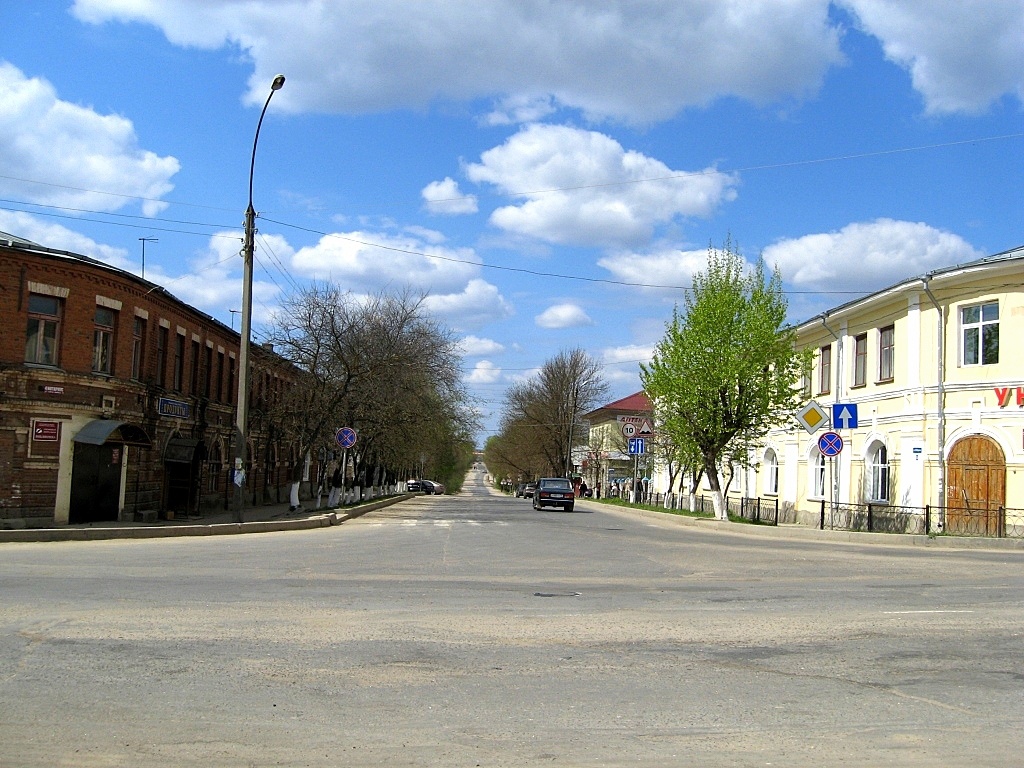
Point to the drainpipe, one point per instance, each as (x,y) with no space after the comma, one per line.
(941,394)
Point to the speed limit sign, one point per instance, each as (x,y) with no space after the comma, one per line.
(628,429)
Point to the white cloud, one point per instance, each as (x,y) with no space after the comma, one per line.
(961,55)
(446,197)
(484,372)
(583,188)
(865,257)
(478,304)
(563,316)
(51,235)
(671,268)
(630,353)
(521,108)
(62,151)
(635,62)
(370,261)
(472,346)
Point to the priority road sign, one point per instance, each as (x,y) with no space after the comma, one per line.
(830,444)
(812,417)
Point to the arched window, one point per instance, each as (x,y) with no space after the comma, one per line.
(215,465)
(818,478)
(878,473)
(771,472)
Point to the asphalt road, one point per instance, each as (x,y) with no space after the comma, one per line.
(475,631)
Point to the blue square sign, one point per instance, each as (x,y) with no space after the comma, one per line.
(844,416)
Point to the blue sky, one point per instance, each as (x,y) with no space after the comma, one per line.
(549,174)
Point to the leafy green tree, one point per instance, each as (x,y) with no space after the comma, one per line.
(726,370)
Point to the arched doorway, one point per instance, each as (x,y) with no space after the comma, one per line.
(975,487)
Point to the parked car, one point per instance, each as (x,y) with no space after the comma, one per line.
(413,486)
(554,492)
(432,487)
(528,490)
(519,490)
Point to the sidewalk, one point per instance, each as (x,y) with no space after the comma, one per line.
(262,519)
(806,533)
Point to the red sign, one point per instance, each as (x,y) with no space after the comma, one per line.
(46,431)
(1003,395)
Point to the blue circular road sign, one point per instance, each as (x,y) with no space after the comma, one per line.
(830,444)
(346,437)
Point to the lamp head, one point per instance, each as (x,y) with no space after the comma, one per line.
(278,82)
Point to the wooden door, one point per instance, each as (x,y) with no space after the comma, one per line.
(975,487)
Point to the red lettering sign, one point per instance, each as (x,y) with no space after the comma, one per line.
(46,431)
(1004,394)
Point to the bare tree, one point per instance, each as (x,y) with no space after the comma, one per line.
(549,408)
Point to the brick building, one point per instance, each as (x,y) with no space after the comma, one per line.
(116,398)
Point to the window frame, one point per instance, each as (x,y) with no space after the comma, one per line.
(879,474)
(771,462)
(886,354)
(104,338)
(818,476)
(179,362)
(138,348)
(860,360)
(41,320)
(825,369)
(979,327)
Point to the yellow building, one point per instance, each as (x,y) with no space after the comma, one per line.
(931,374)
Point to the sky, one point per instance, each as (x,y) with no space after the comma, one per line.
(548,174)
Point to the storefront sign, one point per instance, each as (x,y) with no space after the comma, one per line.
(46,431)
(1005,394)
(174,408)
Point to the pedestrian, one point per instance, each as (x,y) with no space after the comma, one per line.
(597,490)
(583,489)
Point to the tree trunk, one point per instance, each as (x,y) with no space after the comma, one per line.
(717,498)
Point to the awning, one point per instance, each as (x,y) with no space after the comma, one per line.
(181,450)
(100,431)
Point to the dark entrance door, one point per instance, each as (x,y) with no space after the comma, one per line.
(95,482)
(976,488)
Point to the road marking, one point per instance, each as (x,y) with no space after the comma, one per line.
(901,613)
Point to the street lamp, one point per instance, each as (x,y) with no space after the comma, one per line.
(242,411)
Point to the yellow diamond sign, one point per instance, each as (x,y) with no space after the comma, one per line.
(812,417)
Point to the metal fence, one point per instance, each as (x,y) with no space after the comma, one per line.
(764,511)
(999,522)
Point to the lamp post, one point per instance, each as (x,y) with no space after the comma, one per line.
(242,410)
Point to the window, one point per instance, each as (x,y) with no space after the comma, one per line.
(230,394)
(825,370)
(179,360)
(878,473)
(138,347)
(161,355)
(885,353)
(103,340)
(42,335)
(215,466)
(207,371)
(771,472)
(194,381)
(860,360)
(220,377)
(818,479)
(980,325)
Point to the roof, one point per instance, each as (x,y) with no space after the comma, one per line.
(638,402)
(1004,257)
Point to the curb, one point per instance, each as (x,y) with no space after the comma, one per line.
(803,533)
(324,520)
